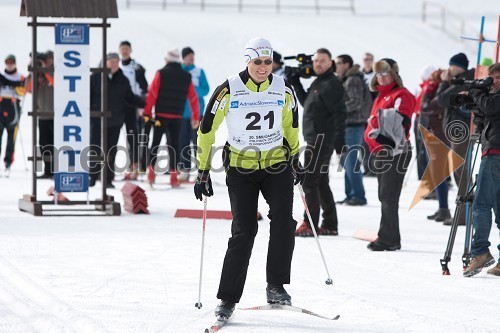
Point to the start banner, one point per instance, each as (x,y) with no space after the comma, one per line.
(71,107)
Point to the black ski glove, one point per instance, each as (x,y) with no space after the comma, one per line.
(298,171)
(203,185)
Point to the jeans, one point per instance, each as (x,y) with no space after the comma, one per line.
(353,178)
(487,197)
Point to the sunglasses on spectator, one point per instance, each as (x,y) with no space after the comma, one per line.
(260,61)
(382,74)
(9,62)
(367,59)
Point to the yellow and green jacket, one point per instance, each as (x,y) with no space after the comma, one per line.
(217,109)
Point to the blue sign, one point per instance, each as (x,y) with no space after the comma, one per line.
(71,181)
(72,34)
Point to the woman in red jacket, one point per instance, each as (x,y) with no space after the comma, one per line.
(387,135)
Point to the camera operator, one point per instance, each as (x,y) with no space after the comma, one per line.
(457,70)
(324,128)
(487,194)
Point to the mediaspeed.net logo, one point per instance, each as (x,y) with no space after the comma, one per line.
(443,160)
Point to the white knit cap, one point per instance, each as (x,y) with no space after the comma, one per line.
(257,47)
(173,56)
(425,73)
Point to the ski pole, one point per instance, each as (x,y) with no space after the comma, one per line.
(198,304)
(301,190)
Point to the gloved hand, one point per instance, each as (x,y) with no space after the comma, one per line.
(298,171)
(203,185)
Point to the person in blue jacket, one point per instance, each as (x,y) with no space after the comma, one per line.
(188,134)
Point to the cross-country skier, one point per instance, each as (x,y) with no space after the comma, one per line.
(261,116)
(10,95)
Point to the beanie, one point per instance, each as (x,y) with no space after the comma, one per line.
(173,56)
(277,58)
(186,51)
(10,57)
(257,47)
(460,60)
(386,65)
(112,55)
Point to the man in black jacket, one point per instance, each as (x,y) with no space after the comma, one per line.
(120,97)
(487,195)
(454,117)
(323,128)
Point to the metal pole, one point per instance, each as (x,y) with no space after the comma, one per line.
(277,6)
(34,92)
(198,304)
(240,6)
(317,6)
(302,195)
(104,119)
(480,47)
(424,8)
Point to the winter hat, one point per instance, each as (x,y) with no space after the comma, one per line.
(186,51)
(277,58)
(11,57)
(173,56)
(112,55)
(257,47)
(386,65)
(460,60)
(426,72)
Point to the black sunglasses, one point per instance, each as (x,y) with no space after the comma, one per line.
(260,61)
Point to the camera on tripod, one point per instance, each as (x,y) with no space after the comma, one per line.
(459,100)
(304,69)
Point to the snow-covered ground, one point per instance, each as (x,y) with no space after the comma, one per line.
(139,273)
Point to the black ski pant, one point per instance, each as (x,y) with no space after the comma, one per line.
(132,134)
(244,187)
(317,186)
(391,172)
(46,142)
(172,129)
(8,122)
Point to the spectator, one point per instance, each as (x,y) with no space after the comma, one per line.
(10,95)
(168,93)
(430,109)
(188,134)
(387,136)
(45,103)
(358,105)
(135,74)
(324,131)
(278,63)
(487,195)
(459,70)
(120,96)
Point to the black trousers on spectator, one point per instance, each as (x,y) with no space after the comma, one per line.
(132,134)
(46,142)
(244,187)
(172,129)
(113,134)
(390,174)
(317,186)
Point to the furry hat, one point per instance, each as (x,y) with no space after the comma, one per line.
(386,65)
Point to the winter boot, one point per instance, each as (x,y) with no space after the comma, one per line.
(151,174)
(433,216)
(442,215)
(304,230)
(183,176)
(495,270)
(133,173)
(276,294)
(224,309)
(478,263)
(174,182)
(377,246)
(323,231)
